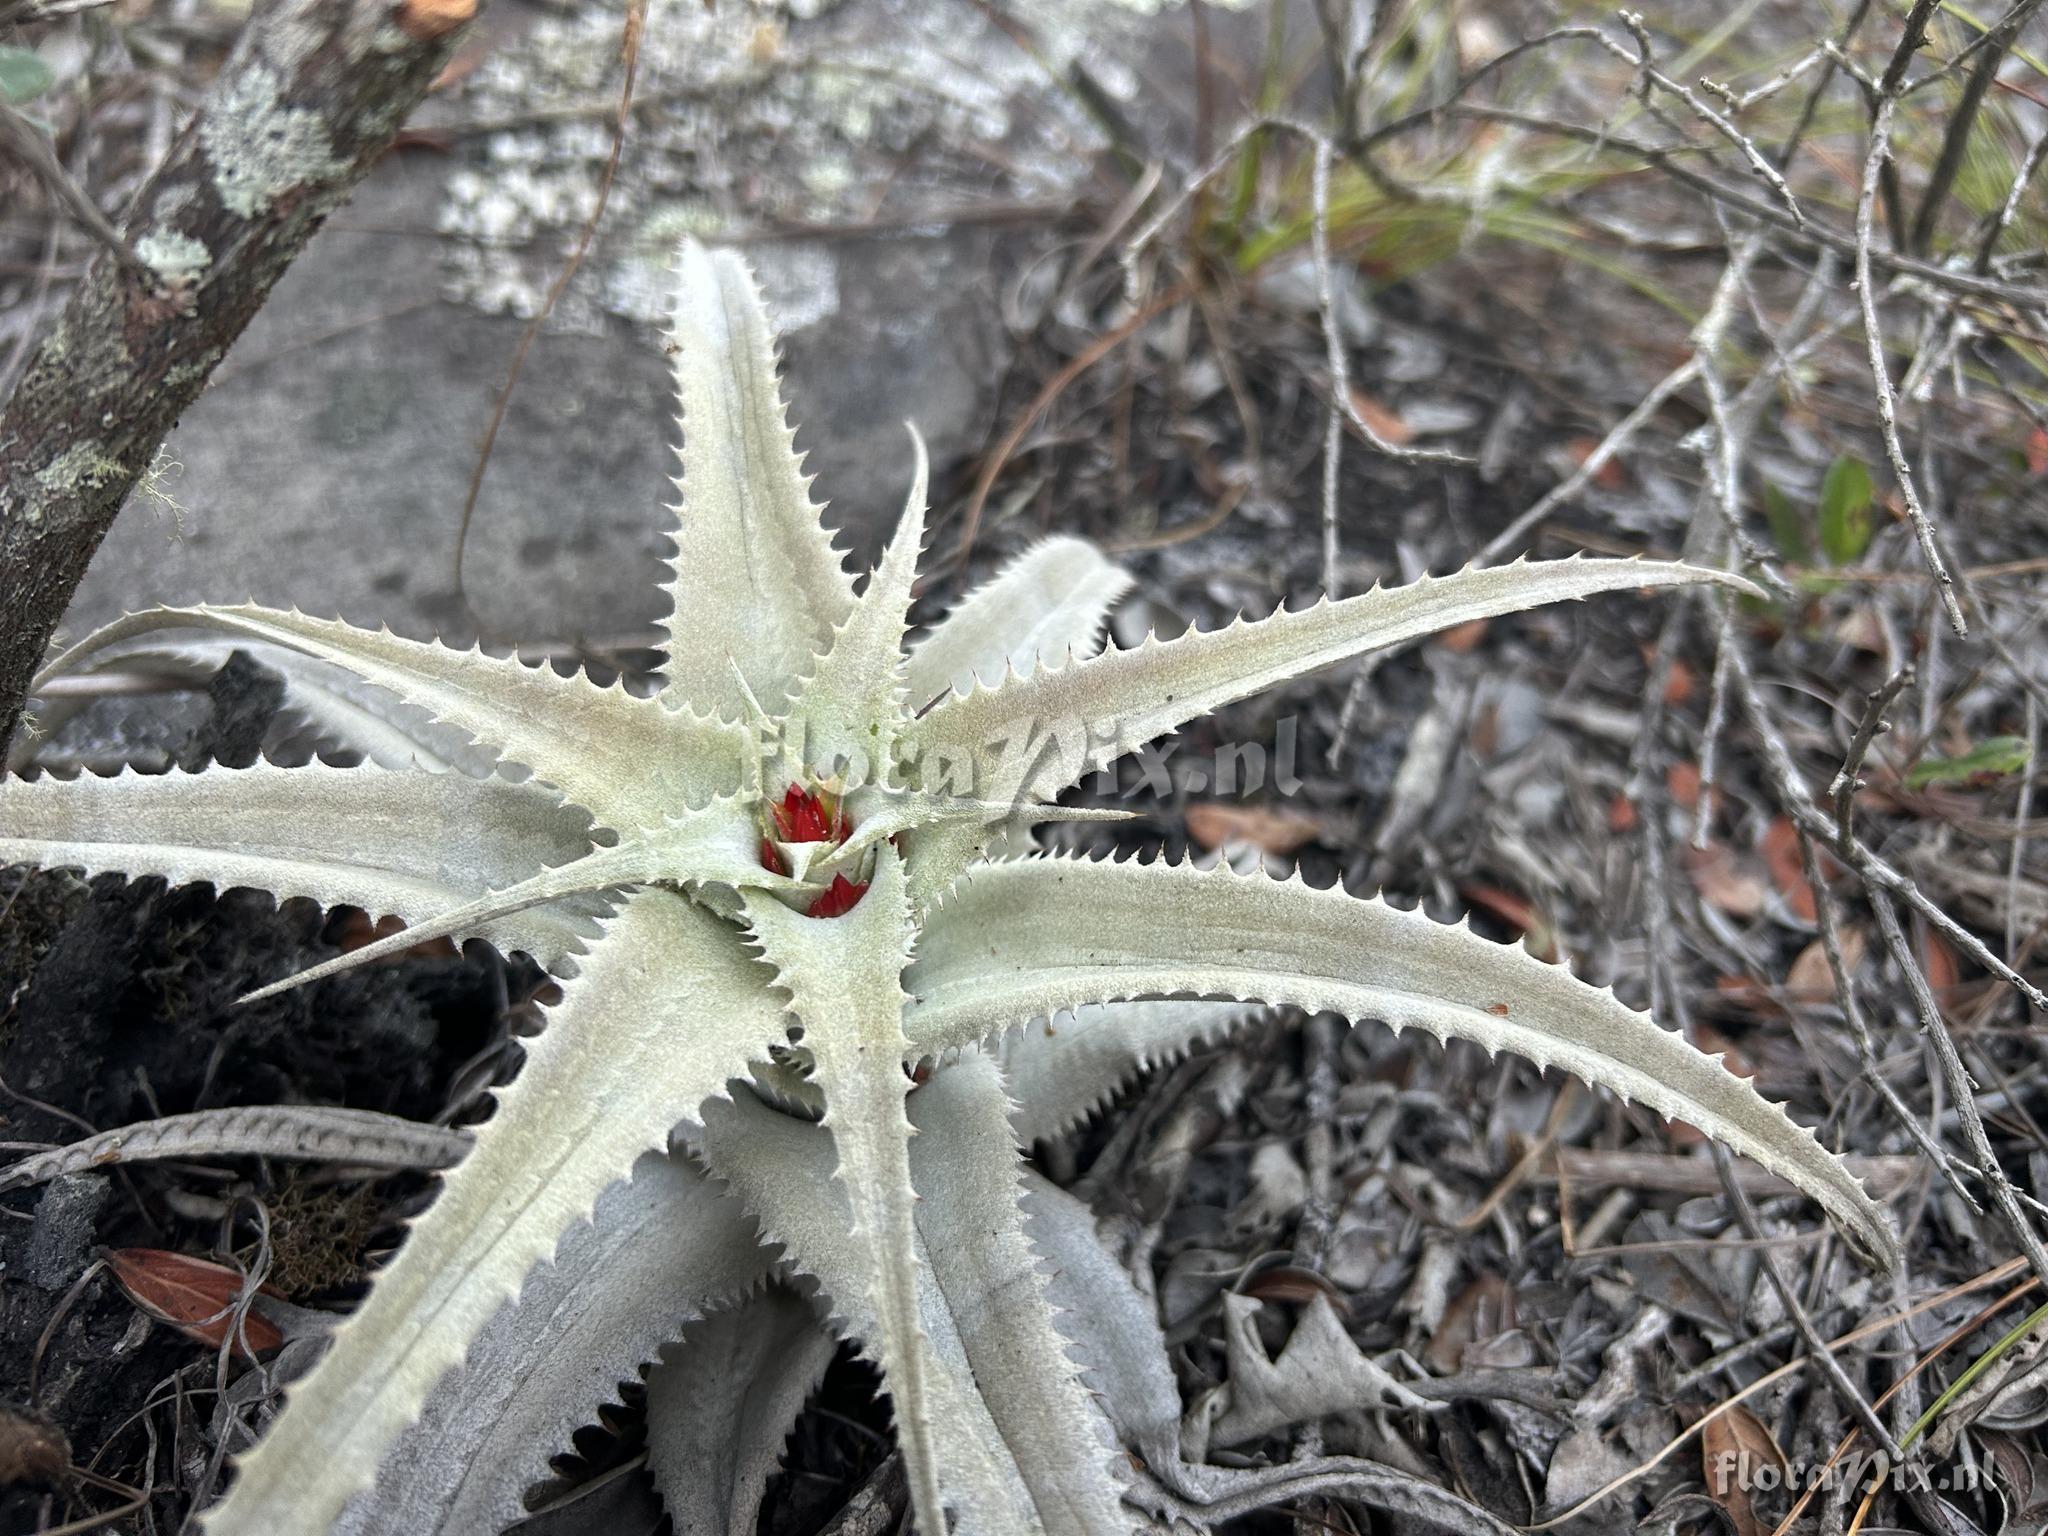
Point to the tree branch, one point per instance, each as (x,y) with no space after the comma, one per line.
(309,98)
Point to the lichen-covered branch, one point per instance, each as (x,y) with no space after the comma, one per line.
(311,95)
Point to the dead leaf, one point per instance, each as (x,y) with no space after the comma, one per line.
(1811,979)
(1680,683)
(1683,781)
(1213,823)
(1621,814)
(1482,1309)
(1462,637)
(1939,962)
(1386,423)
(195,1296)
(426,21)
(1609,476)
(2037,451)
(1733,1447)
(1780,848)
(1723,881)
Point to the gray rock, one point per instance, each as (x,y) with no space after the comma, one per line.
(870,154)
(66,1219)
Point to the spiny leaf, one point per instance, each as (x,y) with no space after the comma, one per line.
(1035,735)
(603,1083)
(841,974)
(755,581)
(343,836)
(1048,605)
(324,701)
(661,1248)
(843,719)
(967,1169)
(627,759)
(722,1402)
(780,1169)
(1028,938)
(712,844)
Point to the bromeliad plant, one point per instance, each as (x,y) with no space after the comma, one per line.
(791,886)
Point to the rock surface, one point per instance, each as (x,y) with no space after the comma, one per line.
(879,161)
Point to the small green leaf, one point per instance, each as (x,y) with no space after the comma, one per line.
(1845,497)
(1992,758)
(1788,528)
(23,76)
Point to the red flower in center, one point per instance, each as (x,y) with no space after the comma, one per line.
(811,816)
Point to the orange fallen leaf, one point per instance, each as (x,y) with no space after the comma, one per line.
(1390,427)
(1683,782)
(1213,823)
(195,1296)
(1462,637)
(1939,962)
(1609,476)
(1734,1447)
(1723,881)
(1811,978)
(1780,848)
(2037,451)
(426,21)
(1621,814)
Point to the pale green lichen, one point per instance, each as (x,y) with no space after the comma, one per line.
(79,467)
(173,256)
(260,148)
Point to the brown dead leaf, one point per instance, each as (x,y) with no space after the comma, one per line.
(1609,476)
(1481,1310)
(1386,423)
(1939,962)
(1682,780)
(1724,881)
(1811,979)
(426,21)
(1462,637)
(2037,451)
(1621,814)
(1212,823)
(1294,1285)
(1780,848)
(195,1296)
(1680,683)
(1734,1446)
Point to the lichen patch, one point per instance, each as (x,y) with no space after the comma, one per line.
(174,257)
(260,148)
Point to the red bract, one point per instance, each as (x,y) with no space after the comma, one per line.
(839,897)
(805,816)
